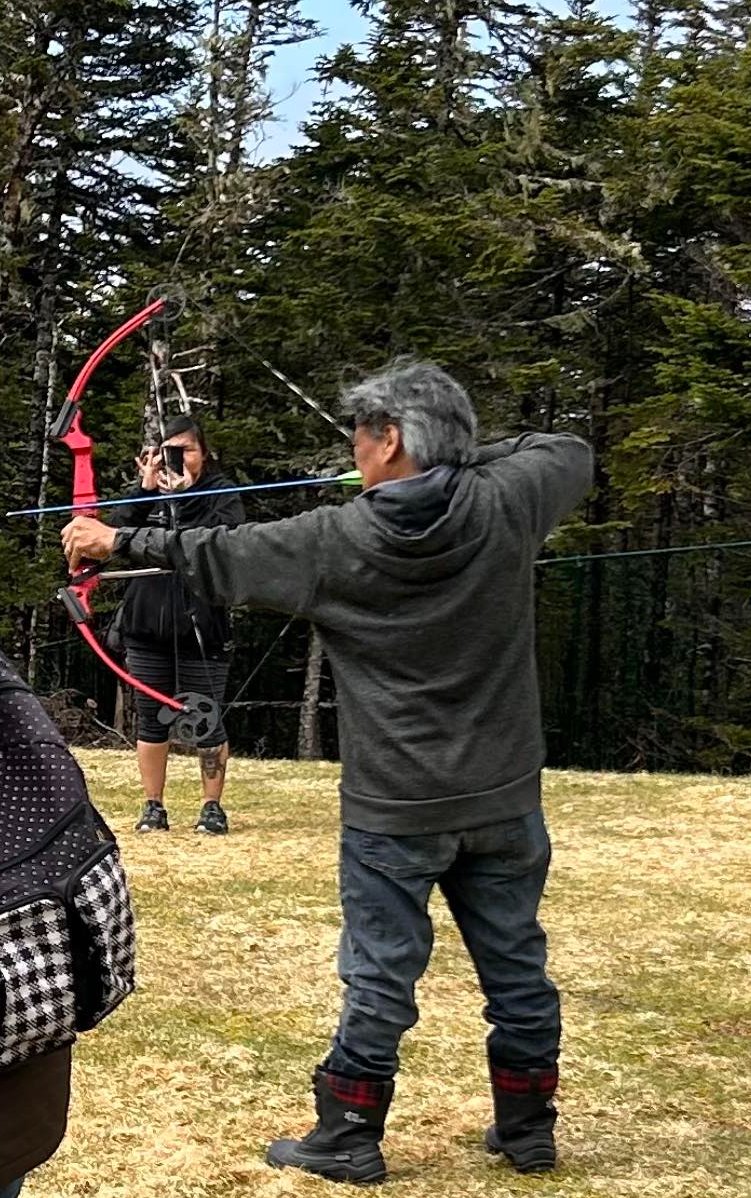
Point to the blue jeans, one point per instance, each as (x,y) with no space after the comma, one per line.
(13,1190)
(492,879)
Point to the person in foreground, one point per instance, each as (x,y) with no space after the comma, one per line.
(422,589)
(172,640)
(34,1100)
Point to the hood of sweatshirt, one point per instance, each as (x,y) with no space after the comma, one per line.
(423,527)
(410,506)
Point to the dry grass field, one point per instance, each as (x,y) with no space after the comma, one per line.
(649,917)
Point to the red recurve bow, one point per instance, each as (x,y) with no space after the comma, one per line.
(193,716)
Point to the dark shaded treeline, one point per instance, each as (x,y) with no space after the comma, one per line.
(553,207)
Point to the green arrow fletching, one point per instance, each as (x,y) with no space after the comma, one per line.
(352,478)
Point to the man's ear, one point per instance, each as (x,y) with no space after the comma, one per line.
(391,439)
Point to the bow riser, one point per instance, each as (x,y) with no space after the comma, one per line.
(81,446)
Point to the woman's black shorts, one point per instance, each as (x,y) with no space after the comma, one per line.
(205,676)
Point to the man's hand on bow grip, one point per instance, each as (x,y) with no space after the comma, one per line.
(87,539)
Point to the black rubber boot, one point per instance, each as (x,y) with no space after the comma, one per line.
(345,1143)
(524,1117)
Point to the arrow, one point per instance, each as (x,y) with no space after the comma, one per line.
(352,478)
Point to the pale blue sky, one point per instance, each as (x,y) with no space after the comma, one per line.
(290,80)
(290,73)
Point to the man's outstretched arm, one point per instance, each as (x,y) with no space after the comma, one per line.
(272,565)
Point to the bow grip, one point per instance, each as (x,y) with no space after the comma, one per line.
(73,605)
(64,419)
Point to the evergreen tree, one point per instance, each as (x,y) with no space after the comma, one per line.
(83,86)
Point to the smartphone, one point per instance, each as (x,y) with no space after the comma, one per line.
(172,458)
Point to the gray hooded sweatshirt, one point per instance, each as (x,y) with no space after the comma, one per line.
(422,590)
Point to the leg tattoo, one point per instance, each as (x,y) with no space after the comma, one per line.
(213,761)
(212,764)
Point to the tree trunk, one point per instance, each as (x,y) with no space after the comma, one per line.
(448,64)
(153,412)
(37,622)
(309,729)
(242,108)
(44,381)
(124,717)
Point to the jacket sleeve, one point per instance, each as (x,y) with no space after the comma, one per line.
(217,510)
(546,474)
(226,510)
(135,515)
(34,1101)
(273,565)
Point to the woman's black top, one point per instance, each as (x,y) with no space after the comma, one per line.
(160,613)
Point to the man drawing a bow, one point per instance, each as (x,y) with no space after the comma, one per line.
(422,589)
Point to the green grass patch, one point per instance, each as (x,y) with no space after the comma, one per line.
(648,912)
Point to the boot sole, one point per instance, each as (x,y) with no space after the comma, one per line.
(542,1160)
(368,1172)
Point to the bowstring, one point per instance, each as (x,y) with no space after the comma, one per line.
(275,371)
(157,370)
(157,375)
(255,670)
(311,403)
(306,399)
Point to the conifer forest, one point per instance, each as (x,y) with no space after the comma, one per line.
(554,205)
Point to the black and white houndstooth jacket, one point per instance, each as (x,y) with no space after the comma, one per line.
(67,941)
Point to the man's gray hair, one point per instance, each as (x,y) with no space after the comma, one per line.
(433,412)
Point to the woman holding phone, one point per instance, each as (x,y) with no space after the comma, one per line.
(172,640)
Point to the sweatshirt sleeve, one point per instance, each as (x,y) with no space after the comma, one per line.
(273,565)
(546,474)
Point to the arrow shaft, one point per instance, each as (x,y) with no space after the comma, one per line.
(173,496)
